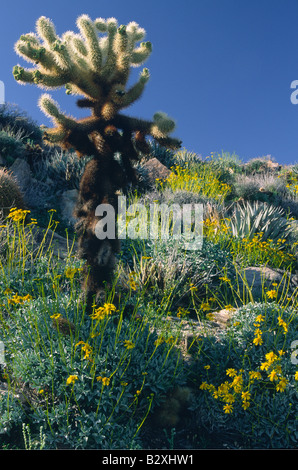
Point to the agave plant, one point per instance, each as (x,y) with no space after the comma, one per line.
(248,219)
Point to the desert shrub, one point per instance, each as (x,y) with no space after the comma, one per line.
(226,166)
(64,168)
(167,273)
(90,382)
(18,121)
(257,165)
(11,147)
(265,186)
(248,379)
(197,179)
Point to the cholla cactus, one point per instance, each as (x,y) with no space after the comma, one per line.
(95,64)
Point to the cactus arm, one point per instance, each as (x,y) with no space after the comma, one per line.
(93,50)
(51,109)
(135,92)
(46,31)
(141,54)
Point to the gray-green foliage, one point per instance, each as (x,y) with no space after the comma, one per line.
(64,168)
(84,414)
(11,146)
(271,419)
(19,123)
(171,268)
(250,218)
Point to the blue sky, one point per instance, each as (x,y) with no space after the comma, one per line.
(221,68)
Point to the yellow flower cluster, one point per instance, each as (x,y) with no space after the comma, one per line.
(17,215)
(86,349)
(274,373)
(70,272)
(254,250)
(132,280)
(104,380)
(16,298)
(282,323)
(258,250)
(71,379)
(229,392)
(257,341)
(182,312)
(102,312)
(188,179)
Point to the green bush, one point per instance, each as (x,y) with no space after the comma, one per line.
(19,122)
(10,147)
(89,382)
(248,379)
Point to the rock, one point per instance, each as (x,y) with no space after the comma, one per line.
(2,161)
(273,165)
(67,204)
(22,172)
(155,169)
(222,318)
(37,193)
(259,279)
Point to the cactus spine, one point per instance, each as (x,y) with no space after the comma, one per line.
(95,64)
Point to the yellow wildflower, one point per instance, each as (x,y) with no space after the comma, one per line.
(70,272)
(128,344)
(228,408)
(86,348)
(17,214)
(282,323)
(245,396)
(272,294)
(100,312)
(280,387)
(55,316)
(205,306)
(104,380)
(245,405)
(71,379)
(271,357)
(260,318)
(231,372)
(204,386)
(296,375)
(273,375)
(258,340)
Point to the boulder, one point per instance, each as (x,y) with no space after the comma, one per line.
(67,205)
(154,169)
(22,172)
(259,279)
(2,160)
